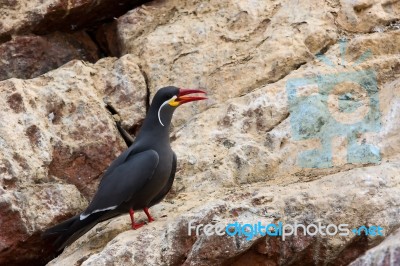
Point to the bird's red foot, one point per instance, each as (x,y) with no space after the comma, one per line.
(134,225)
(137,226)
(146,211)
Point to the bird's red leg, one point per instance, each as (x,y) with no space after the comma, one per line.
(134,226)
(146,211)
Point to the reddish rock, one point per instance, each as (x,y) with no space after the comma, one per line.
(107,39)
(42,17)
(386,253)
(30,56)
(56,139)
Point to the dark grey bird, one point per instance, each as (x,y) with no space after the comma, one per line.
(139,178)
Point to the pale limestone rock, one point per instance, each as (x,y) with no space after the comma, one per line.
(367,15)
(238,153)
(239,159)
(249,139)
(355,197)
(228,48)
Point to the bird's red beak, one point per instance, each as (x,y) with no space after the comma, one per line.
(182,98)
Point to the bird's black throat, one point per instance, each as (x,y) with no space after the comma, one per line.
(152,128)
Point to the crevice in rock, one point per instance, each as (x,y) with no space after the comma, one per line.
(239,61)
(5,38)
(270,80)
(183,55)
(105,36)
(324,49)
(103,51)
(30,251)
(274,251)
(358,246)
(86,32)
(126,134)
(89,14)
(148,93)
(134,129)
(393,25)
(318,173)
(279,122)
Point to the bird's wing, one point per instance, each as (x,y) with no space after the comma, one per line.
(123,182)
(168,186)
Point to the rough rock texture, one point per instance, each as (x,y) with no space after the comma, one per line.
(30,56)
(38,16)
(332,199)
(232,48)
(367,15)
(56,139)
(228,48)
(386,253)
(255,137)
(39,36)
(26,210)
(301,127)
(258,152)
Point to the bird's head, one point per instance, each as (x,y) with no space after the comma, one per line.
(167,99)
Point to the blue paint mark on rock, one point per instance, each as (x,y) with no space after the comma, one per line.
(311,118)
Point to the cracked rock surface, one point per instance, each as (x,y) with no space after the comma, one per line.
(41,35)
(302,126)
(57,138)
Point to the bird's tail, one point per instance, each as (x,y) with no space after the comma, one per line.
(63,234)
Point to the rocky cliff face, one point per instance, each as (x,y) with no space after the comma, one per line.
(302,126)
